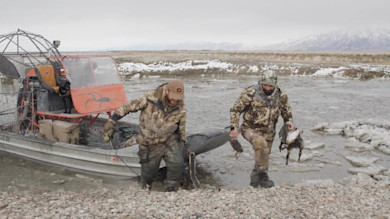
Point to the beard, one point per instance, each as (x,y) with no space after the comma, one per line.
(268,92)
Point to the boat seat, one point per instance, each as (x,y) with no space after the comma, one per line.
(50,100)
(47,78)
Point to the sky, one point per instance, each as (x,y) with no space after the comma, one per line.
(129,24)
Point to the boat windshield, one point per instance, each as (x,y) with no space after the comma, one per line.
(91,71)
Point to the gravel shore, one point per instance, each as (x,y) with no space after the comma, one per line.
(284,201)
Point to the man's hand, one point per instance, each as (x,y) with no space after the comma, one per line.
(234,133)
(109,130)
(290,126)
(234,142)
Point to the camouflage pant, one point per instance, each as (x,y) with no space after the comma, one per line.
(172,153)
(261,147)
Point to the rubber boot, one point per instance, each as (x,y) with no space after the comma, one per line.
(175,173)
(170,189)
(265,182)
(171,186)
(145,184)
(255,179)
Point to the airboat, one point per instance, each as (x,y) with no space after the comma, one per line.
(62,105)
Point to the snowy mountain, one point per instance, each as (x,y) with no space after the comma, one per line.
(362,40)
(373,39)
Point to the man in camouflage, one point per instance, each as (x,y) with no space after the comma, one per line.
(161,132)
(261,106)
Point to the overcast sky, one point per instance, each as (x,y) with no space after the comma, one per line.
(123,24)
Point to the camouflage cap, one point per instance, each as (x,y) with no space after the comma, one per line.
(176,89)
(269,77)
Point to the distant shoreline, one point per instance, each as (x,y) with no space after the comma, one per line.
(305,57)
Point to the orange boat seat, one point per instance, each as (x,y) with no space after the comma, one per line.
(47,76)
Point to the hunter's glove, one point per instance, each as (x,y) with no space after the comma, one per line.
(109,129)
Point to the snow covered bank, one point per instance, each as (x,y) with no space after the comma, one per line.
(208,67)
(185,68)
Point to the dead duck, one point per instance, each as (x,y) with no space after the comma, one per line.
(290,140)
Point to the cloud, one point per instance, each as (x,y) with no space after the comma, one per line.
(101,24)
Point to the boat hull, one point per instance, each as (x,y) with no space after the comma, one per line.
(121,163)
(115,163)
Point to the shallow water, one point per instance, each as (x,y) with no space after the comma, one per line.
(208,100)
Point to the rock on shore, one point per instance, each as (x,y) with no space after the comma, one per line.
(337,201)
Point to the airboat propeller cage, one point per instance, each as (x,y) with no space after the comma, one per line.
(23,50)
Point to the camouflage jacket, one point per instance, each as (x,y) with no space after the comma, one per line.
(261,112)
(158,119)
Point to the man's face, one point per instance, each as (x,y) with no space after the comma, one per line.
(171,101)
(268,89)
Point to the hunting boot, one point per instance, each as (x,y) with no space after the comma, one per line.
(265,182)
(170,189)
(145,184)
(255,179)
(171,186)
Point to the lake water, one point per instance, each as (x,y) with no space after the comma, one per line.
(208,100)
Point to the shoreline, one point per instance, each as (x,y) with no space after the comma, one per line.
(336,201)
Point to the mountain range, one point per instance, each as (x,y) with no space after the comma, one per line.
(359,40)
(373,39)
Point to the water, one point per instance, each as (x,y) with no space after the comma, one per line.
(208,100)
